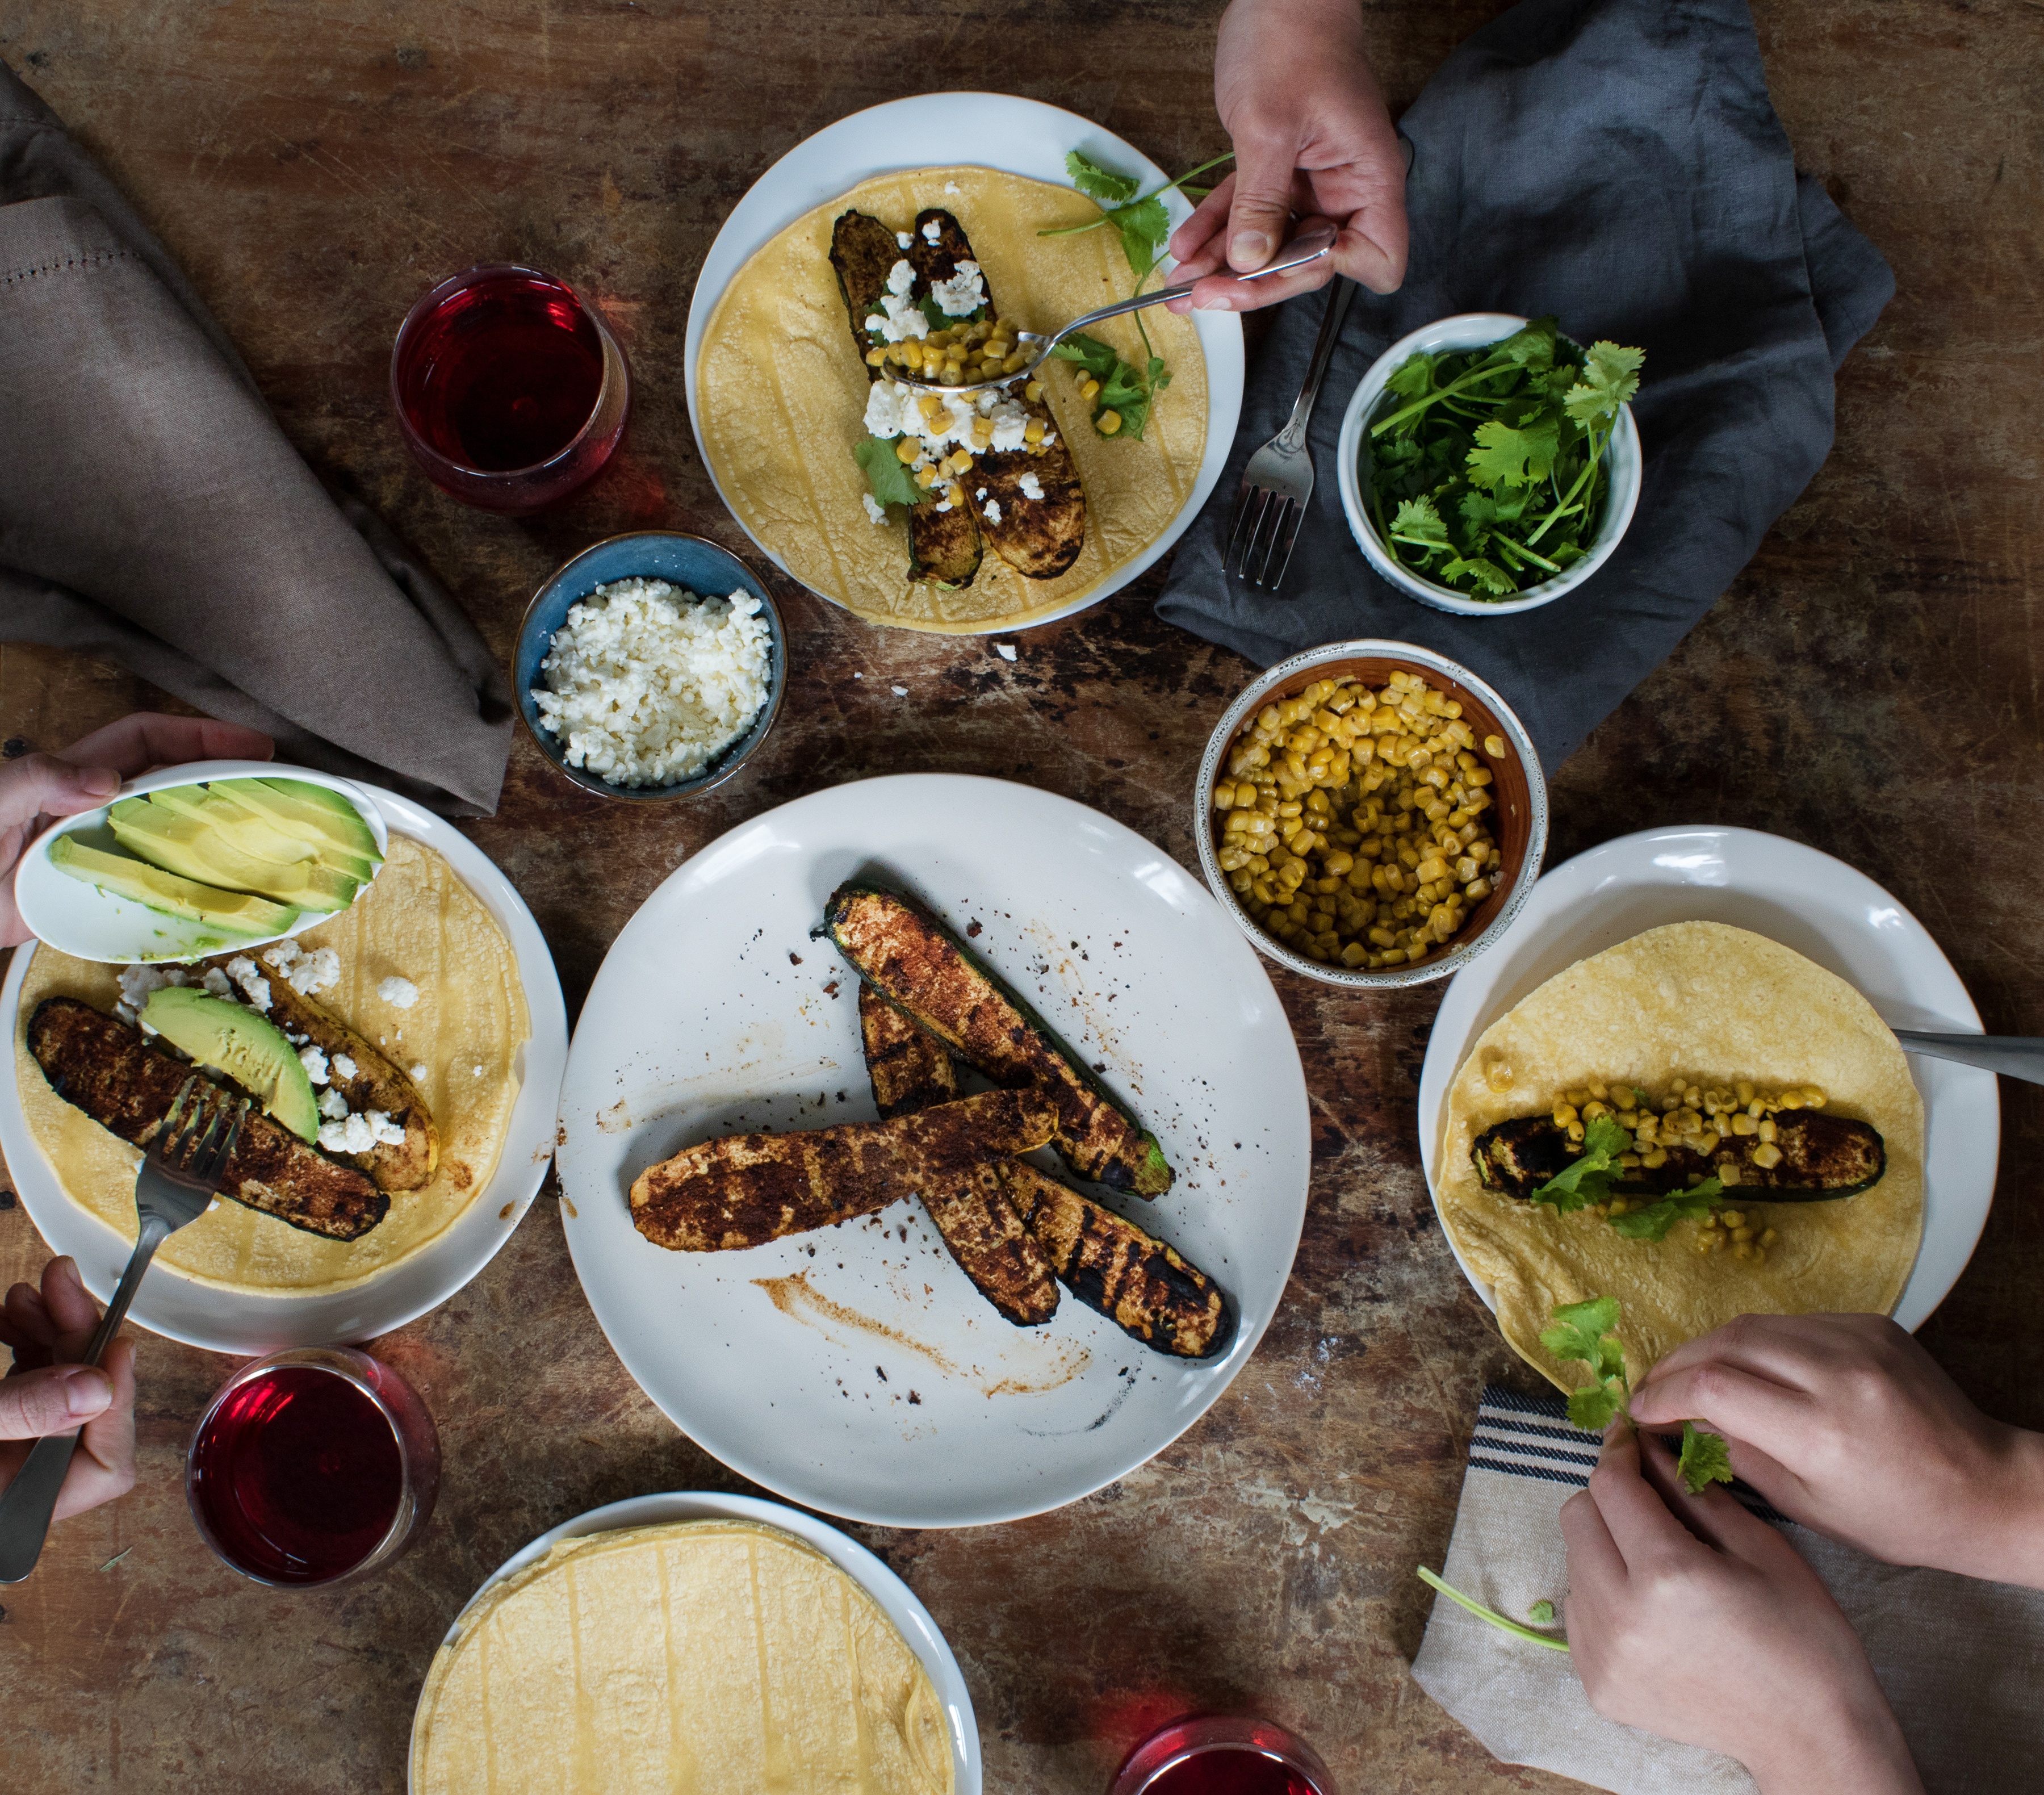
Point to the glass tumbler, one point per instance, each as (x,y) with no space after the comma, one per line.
(1223,1755)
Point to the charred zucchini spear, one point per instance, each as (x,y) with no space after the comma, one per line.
(1822,1158)
(921,967)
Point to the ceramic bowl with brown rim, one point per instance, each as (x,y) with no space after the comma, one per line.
(1516,820)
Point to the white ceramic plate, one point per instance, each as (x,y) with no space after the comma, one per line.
(897,1601)
(92,924)
(1000,131)
(1823,909)
(856,1370)
(249,1321)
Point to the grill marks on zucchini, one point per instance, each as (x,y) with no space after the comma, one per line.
(917,964)
(943,546)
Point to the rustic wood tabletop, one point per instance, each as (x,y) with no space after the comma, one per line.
(1870,686)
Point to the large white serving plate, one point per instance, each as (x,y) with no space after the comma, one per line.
(882,1386)
(998,130)
(897,1601)
(1822,908)
(252,1321)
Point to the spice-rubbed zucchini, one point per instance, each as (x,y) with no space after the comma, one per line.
(920,966)
(1140,1284)
(745,1190)
(1038,533)
(972,1209)
(106,1068)
(943,546)
(1822,1158)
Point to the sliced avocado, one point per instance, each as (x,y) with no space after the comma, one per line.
(264,837)
(239,916)
(250,1051)
(194,849)
(297,806)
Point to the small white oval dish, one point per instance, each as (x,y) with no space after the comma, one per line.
(79,919)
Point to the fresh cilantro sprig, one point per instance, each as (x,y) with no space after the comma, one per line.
(1583,1331)
(1588,1179)
(1486,465)
(1122,390)
(1434,1581)
(890,481)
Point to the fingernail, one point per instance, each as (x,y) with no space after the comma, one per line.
(87,1392)
(1222,303)
(99,781)
(1249,249)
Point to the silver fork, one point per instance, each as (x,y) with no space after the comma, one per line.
(180,1175)
(1279,478)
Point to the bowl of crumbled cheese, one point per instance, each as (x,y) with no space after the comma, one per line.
(650,665)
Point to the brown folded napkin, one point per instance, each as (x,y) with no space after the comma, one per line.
(152,513)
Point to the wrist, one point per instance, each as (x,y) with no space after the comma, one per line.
(1854,1743)
(2007,1545)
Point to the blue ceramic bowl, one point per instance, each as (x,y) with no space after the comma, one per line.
(689,561)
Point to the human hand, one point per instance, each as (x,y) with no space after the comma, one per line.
(38,789)
(1688,1618)
(1312,135)
(48,1391)
(1842,1422)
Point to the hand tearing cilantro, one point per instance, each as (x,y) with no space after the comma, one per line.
(1486,469)
(1583,1331)
(890,482)
(1589,1179)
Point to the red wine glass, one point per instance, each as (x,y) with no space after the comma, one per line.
(312,1467)
(508,390)
(1223,1755)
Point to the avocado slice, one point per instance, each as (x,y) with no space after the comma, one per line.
(264,837)
(301,806)
(194,849)
(239,915)
(251,1050)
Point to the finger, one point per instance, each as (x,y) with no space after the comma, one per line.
(1787,1348)
(1595,1562)
(29,1319)
(1371,249)
(1641,1527)
(103,1467)
(1733,1402)
(1260,211)
(1201,239)
(149,739)
(40,785)
(72,1311)
(1713,1515)
(54,1399)
(1224,293)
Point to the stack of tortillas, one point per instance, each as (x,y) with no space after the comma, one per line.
(702,1657)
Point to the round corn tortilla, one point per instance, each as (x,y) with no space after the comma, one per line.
(781,395)
(1716,1004)
(699,1658)
(416,921)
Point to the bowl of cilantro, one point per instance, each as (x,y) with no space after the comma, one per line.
(1488,464)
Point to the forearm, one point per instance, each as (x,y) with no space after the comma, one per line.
(2004,1542)
(1855,1743)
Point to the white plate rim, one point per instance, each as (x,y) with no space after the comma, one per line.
(1251,1325)
(832,161)
(1470,1005)
(897,1600)
(247,1322)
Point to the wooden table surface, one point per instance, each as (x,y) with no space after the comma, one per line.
(1869,686)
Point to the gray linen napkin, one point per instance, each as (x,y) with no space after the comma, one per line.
(1961,1662)
(152,513)
(1615,162)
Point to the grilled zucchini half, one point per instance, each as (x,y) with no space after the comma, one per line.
(943,546)
(1823,1158)
(897,946)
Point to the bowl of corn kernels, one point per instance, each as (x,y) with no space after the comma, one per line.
(1371,814)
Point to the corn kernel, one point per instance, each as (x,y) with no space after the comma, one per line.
(1767,1155)
(907,449)
(1494,747)
(1107,423)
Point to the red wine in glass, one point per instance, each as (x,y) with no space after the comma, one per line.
(1223,1755)
(508,390)
(312,1465)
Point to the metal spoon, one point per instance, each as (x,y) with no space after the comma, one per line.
(1308,246)
(2013,1056)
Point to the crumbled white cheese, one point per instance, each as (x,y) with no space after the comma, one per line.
(900,691)
(1011,423)
(899,318)
(401,994)
(1005,650)
(893,409)
(314,1059)
(884,402)
(932,231)
(360,1133)
(951,186)
(216,982)
(874,509)
(479,1071)
(307,974)
(296,1039)
(1031,486)
(254,987)
(981,494)
(904,240)
(332,1104)
(344,1067)
(138,982)
(962,294)
(417,1072)
(993,511)
(942,505)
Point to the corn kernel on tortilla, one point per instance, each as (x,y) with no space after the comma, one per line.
(782,392)
(417,921)
(1716,1004)
(698,1658)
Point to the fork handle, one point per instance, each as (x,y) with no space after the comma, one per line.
(30,1500)
(1340,291)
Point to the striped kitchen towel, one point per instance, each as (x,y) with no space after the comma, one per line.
(1961,1661)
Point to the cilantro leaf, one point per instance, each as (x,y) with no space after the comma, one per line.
(1541,1613)
(1604,1139)
(1145,228)
(1413,377)
(1487,574)
(1506,457)
(1596,1406)
(1122,390)
(1101,185)
(1706,1460)
(1653,1221)
(1610,378)
(1583,1331)
(1531,347)
(1418,521)
(1090,353)
(890,481)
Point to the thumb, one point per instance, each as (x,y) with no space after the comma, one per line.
(41,785)
(1262,213)
(55,1399)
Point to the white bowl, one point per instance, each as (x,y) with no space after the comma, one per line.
(1474,330)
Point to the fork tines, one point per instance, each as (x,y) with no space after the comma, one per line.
(1267,524)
